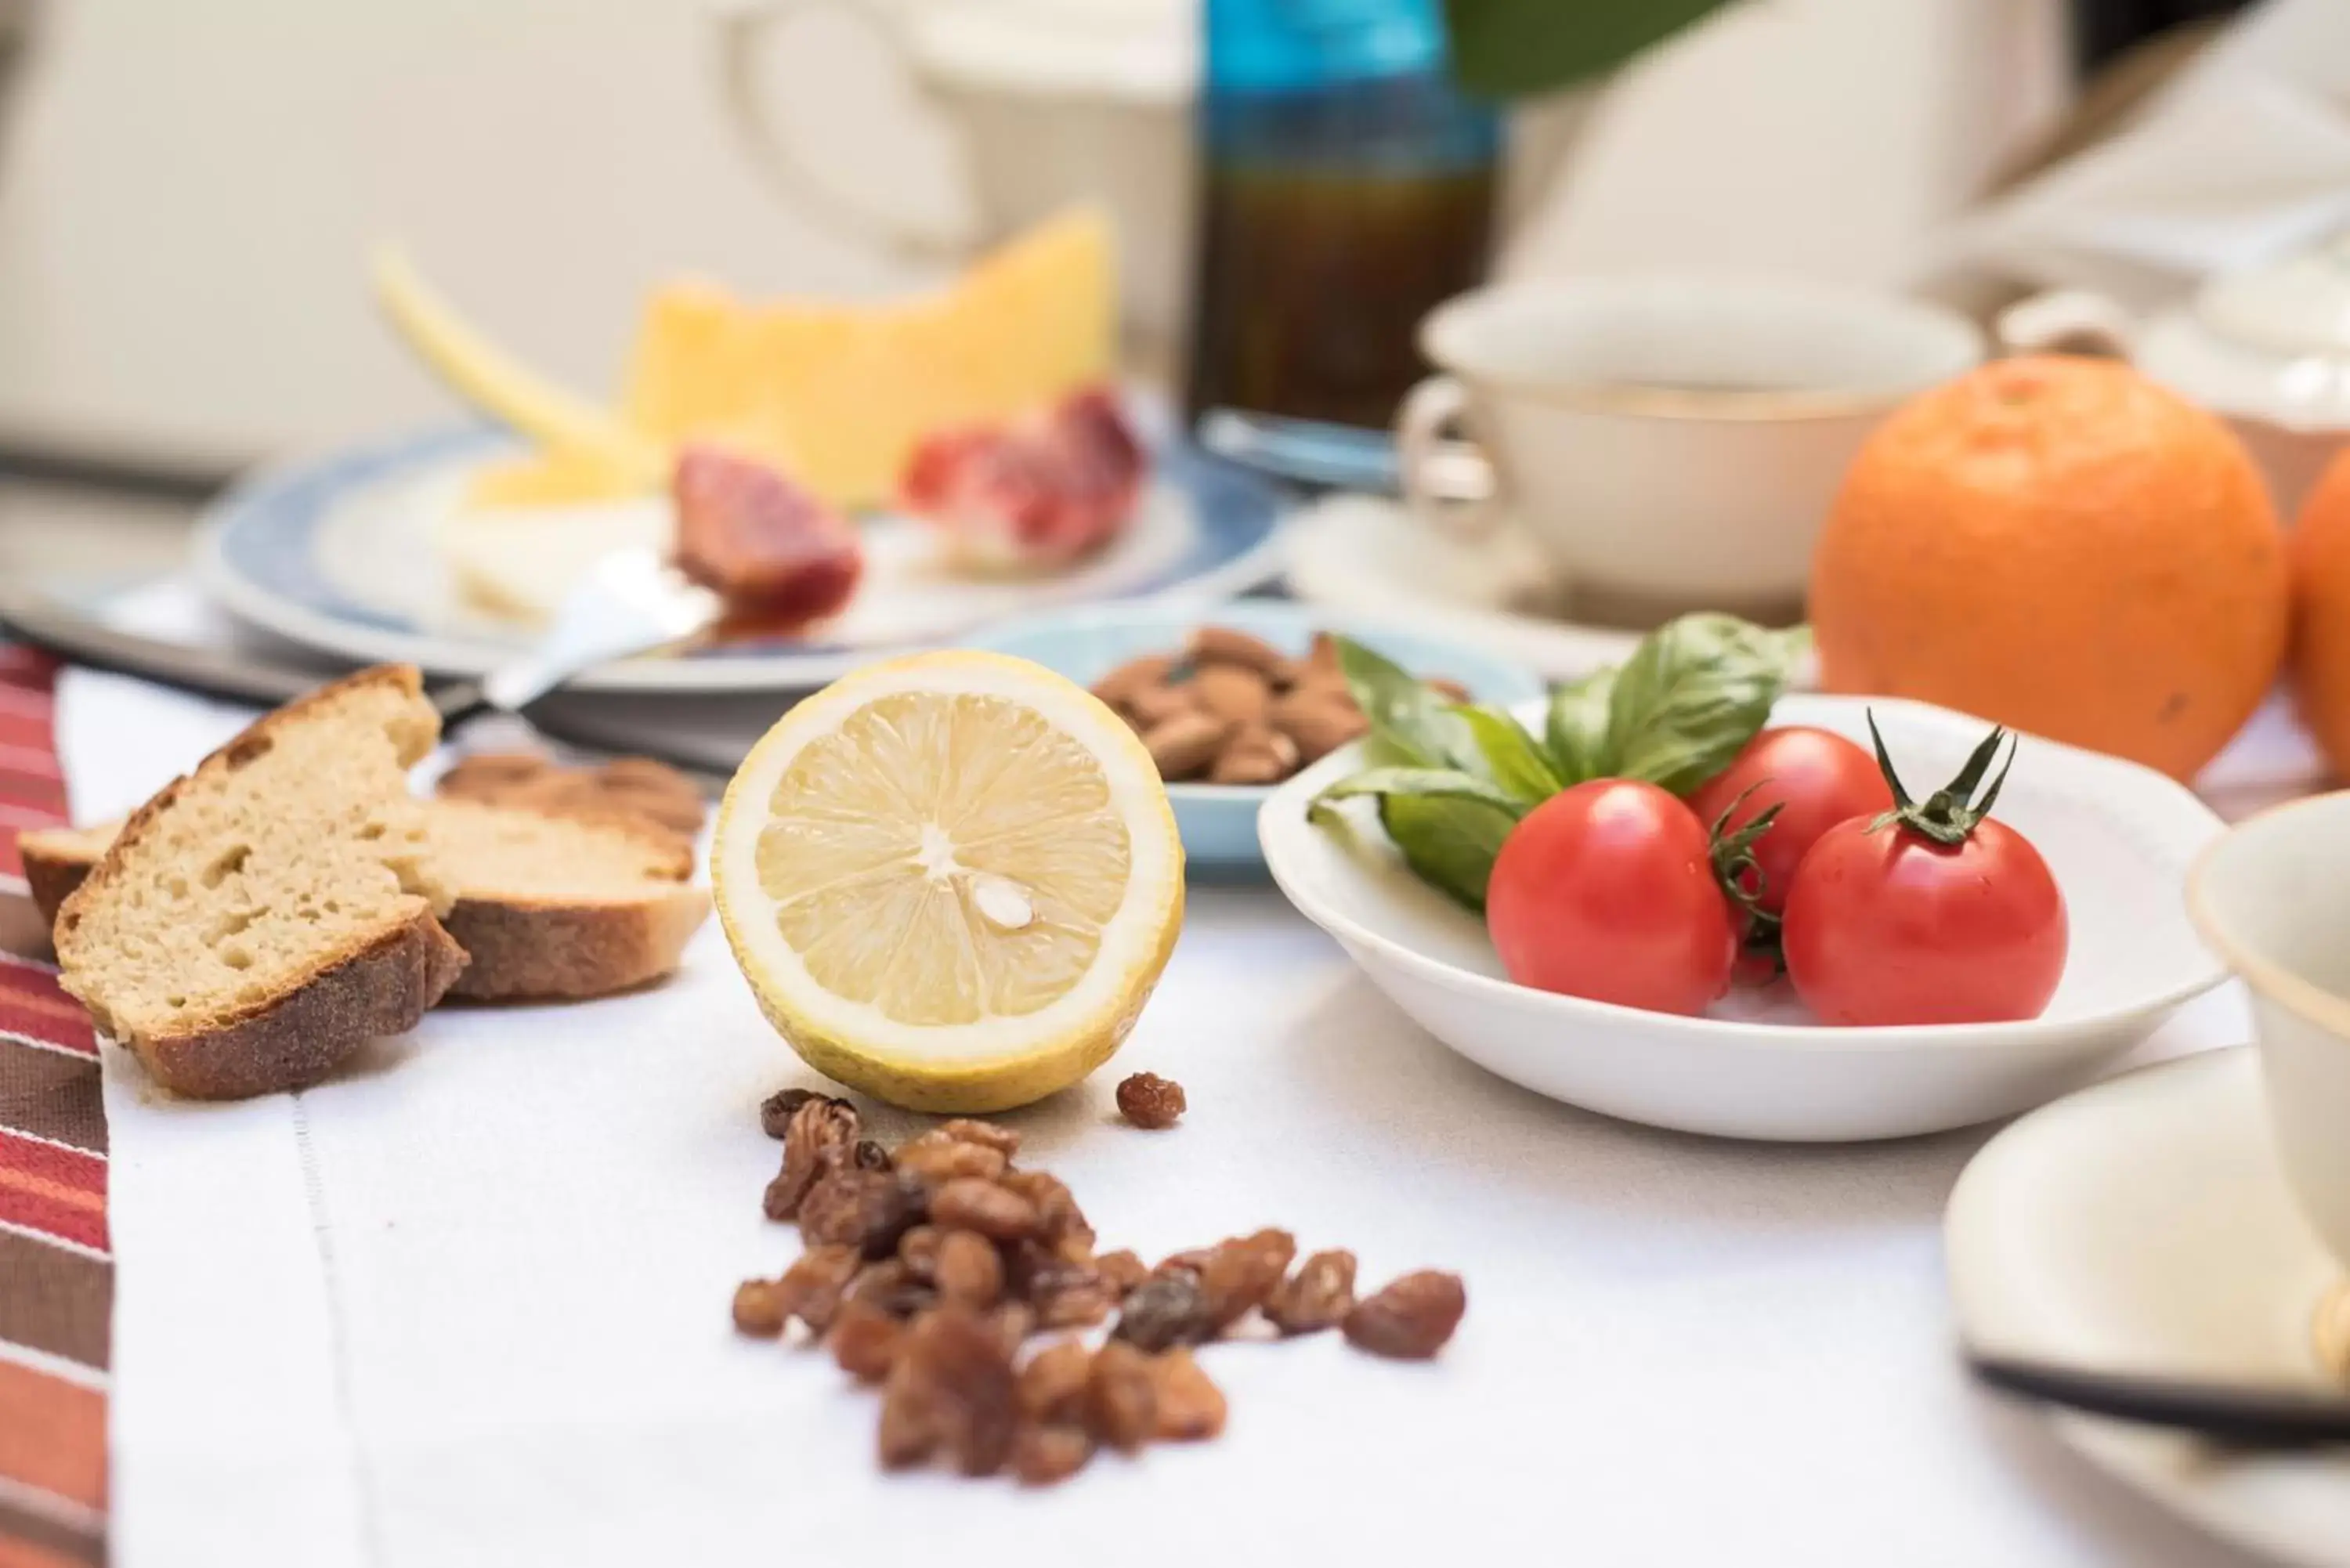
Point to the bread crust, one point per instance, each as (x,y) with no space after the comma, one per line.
(378,988)
(55,865)
(551,949)
(379,983)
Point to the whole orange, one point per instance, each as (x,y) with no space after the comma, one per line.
(2062,545)
(2321,613)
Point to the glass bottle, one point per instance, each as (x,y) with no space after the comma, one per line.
(1346,188)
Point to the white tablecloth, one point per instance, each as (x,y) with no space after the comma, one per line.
(468,1304)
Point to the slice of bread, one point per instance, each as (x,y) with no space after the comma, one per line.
(57,859)
(565,905)
(264,917)
(550,904)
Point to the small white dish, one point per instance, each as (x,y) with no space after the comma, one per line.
(1366,555)
(2118,837)
(1218,821)
(2143,1226)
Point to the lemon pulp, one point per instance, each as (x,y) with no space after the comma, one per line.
(945,859)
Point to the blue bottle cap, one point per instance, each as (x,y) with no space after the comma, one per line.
(1283,45)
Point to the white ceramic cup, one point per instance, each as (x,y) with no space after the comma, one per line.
(1052,102)
(2273,899)
(1670,442)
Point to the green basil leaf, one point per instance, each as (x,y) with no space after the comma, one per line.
(1577,728)
(1506,48)
(1427,784)
(1512,756)
(1449,844)
(1410,718)
(1695,690)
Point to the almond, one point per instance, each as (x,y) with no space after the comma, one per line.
(1255,756)
(1119,686)
(1151,706)
(1184,745)
(1318,720)
(1213,645)
(1232,692)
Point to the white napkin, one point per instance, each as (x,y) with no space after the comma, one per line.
(2244,158)
(467,1304)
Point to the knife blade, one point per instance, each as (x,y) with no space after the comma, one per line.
(38,619)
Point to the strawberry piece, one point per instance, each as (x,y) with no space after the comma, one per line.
(1041,489)
(778,556)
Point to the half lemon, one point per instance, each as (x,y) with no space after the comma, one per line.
(952,879)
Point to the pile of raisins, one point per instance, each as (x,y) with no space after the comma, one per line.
(927,1270)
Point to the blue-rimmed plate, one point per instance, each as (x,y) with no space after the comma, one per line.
(1218,821)
(351,554)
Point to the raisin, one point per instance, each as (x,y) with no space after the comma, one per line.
(1189,1407)
(1241,1272)
(1185,1262)
(958,1373)
(760,1309)
(1166,1309)
(939,1159)
(868,1209)
(1043,1455)
(869,1156)
(1149,1101)
(1121,1401)
(1319,1295)
(1059,1221)
(811,1287)
(968,1269)
(1078,1305)
(1121,1271)
(1015,1321)
(888,1286)
(776,1112)
(994,1212)
(1411,1318)
(1053,1383)
(918,1249)
(865,1341)
(909,1416)
(817,1139)
(1001,1139)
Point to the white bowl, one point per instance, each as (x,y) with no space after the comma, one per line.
(2118,837)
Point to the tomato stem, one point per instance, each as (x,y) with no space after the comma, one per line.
(1949,814)
(1733,851)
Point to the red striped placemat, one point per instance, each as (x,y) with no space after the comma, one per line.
(56,1274)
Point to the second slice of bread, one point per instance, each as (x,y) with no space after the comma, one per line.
(565,905)
(547,905)
(261,919)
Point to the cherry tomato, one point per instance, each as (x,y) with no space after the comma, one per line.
(1815,777)
(1942,916)
(1606,890)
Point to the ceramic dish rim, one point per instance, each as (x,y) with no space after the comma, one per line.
(2082,1433)
(459,656)
(1286,810)
(2306,999)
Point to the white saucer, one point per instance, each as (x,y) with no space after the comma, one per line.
(1366,555)
(2142,1225)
